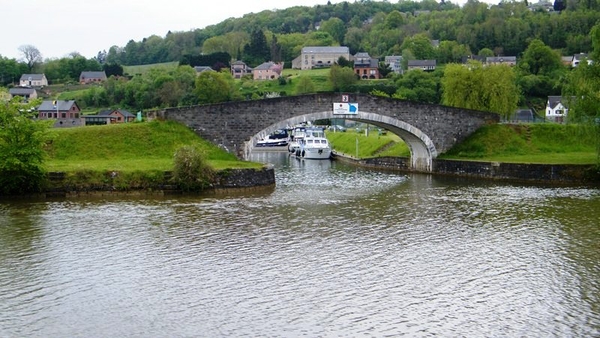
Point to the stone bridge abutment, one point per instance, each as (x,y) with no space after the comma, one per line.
(429,130)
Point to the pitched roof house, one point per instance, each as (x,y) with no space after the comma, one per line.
(200,69)
(66,113)
(365,66)
(26,92)
(92,77)
(267,71)
(118,115)
(556,109)
(425,65)
(33,80)
(320,56)
(239,69)
(577,58)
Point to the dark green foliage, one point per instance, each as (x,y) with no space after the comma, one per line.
(112,69)
(21,149)
(191,171)
(257,50)
(212,60)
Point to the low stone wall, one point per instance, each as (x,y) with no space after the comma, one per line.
(549,173)
(226,181)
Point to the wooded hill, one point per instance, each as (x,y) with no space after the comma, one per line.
(380,28)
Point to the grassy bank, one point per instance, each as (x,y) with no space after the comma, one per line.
(129,147)
(360,145)
(528,143)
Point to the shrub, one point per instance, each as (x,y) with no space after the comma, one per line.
(192,172)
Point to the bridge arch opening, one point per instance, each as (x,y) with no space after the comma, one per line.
(422,148)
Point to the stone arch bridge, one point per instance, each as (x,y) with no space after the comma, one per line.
(429,130)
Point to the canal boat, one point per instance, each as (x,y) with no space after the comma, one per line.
(278,138)
(310,143)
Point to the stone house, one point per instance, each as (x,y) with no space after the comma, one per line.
(365,66)
(25,92)
(33,80)
(320,57)
(239,69)
(92,77)
(425,65)
(267,71)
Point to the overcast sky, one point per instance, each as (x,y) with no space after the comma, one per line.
(58,27)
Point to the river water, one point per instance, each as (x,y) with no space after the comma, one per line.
(331,251)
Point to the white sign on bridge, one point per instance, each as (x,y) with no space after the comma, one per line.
(344,108)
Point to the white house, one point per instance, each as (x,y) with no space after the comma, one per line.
(556,109)
(33,80)
(320,57)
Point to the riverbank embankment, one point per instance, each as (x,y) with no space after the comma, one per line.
(585,174)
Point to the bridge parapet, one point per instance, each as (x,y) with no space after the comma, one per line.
(429,130)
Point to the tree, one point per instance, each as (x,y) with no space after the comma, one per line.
(336,28)
(341,78)
(21,148)
(31,55)
(213,87)
(492,88)
(539,59)
(257,50)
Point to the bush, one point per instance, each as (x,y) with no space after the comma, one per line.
(192,172)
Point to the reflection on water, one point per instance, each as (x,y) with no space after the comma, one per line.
(332,251)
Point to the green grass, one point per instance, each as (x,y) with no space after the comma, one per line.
(529,143)
(373,145)
(143,69)
(130,147)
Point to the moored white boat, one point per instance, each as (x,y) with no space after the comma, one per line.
(310,143)
(279,138)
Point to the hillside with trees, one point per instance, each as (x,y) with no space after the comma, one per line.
(538,34)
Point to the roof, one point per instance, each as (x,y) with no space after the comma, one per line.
(422,63)
(500,59)
(200,69)
(21,91)
(93,75)
(553,101)
(238,62)
(268,65)
(34,77)
(325,50)
(122,111)
(61,105)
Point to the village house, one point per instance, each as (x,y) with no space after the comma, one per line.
(239,69)
(33,80)
(556,109)
(92,77)
(425,65)
(267,71)
(25,92)
(66,113)
(365,66)
(118,115)
(320,56)
(577,58)
(394,62)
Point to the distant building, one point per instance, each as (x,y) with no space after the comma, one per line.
(365,66)
(395,63)
(239,69)
(25,92)
(425,65)
(92,77)
(118,115)
(320,57)
(200,69)
(501,60)
(66,113)
(578,58)
(523,115)
(33,80)
(556,109)
(267,71)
